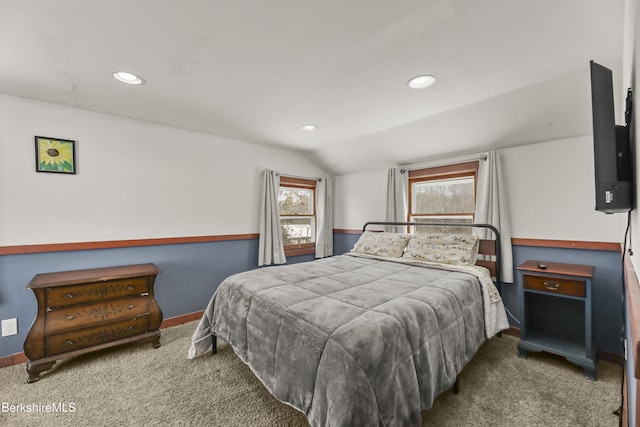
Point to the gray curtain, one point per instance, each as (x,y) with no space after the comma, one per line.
(271,247)
(491,208)
(324,218)
(397,199)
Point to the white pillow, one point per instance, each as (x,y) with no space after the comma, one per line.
(447,248)
(381,244)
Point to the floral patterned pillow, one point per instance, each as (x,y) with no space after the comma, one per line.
(382,244)
(447,248)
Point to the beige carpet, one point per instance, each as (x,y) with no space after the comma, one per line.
(138,386)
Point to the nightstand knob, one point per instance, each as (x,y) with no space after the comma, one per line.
(70,342)
(552,286)
(70,295)
(130,328)
(69,316)
(130,287)
(130,306)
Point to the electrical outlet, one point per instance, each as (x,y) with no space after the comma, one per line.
(9,327)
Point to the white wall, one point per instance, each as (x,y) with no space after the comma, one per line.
(134,179)
(549,186)
(551,193)
(360,197)
(631,79)
(140,180)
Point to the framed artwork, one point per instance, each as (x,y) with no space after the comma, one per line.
(55,155)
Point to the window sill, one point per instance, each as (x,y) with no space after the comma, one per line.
(300,250)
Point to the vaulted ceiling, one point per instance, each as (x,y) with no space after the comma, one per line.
(508,72)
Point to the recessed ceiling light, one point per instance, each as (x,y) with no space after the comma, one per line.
(420,82)
(309,128)
(128,78)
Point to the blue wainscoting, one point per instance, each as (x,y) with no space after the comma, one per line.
(190,273)
(343,242)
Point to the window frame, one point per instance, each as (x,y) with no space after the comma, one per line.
(307,184)
(438,173)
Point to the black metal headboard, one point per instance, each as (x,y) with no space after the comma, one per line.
(496,233)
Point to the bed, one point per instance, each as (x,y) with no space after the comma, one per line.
(367,338)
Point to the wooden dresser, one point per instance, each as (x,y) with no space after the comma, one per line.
(87,310)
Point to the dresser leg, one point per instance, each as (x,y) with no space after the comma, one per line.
(34,370)
(156,341)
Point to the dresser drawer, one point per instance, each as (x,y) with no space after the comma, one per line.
(85,315)
(555,285)
(77,294)
(69,341)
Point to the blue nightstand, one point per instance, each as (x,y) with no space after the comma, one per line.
(555,306)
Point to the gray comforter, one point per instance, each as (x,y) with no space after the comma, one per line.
(351,341)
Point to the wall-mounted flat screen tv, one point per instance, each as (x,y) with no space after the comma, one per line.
(612,146)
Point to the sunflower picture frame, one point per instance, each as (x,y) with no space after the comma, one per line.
(55,155)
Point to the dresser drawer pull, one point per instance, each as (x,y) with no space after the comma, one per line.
(130,306)
(70,342)
(131,328)
(70,295)
(130,287)
(69,316)
(552,286)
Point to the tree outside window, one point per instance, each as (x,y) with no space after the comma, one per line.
(296,201)
(443,195)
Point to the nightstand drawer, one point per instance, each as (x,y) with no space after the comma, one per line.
(555,285)
(76,294)
(69,341)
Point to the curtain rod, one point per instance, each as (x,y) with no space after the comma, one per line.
(444,162)
(298,177)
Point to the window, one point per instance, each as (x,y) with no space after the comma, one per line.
(445,194)
(296,206)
